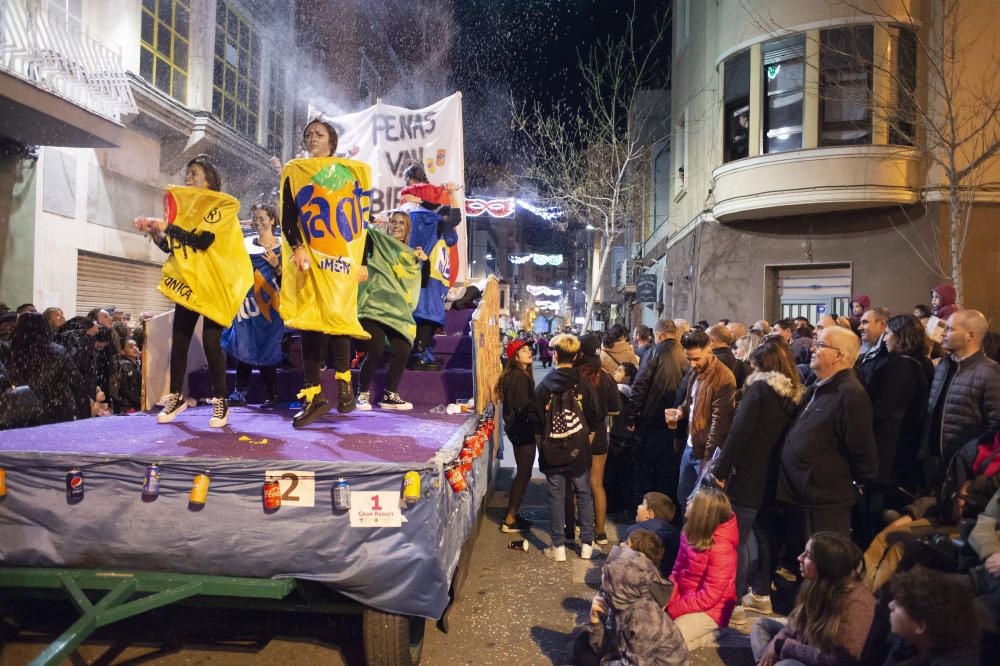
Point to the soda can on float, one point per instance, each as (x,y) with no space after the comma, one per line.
(199,491)
(151,481)
(74,485)
(341,494)
(411,487)
(3,482)
(272,495)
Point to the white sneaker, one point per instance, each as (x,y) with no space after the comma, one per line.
(220,413)
(586,551)
(363,402)
(173,405)
(557,553)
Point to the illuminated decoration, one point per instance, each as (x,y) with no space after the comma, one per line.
(539,259)
(491,207)
(772,72)
(540,290)
(547,214)
(547,305)
(505,208)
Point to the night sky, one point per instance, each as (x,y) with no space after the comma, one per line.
(529,50)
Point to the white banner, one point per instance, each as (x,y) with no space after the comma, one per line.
(390,138)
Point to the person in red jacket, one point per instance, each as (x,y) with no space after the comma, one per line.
(704,574)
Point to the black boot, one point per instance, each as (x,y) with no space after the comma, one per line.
(311,410)
(345,397)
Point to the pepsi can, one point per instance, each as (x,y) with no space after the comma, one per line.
(341,494)
(151,482)
(74,484)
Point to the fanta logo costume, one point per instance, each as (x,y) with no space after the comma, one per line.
(393,287)
(211,282)
(332,197)
(256,333)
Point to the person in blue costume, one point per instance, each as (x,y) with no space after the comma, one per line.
(433,232)
(254,339)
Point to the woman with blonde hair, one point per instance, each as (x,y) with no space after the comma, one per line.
(746,344)
(704,574)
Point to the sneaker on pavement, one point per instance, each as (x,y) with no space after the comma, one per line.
(345,397)
(757,604)
(173,405)
(220,413)
(238,396)
(739,616)
(363,403)
(557,553)
(586,551)
(518,525)
(391,400)
(601,538)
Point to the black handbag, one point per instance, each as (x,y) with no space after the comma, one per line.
(19,407)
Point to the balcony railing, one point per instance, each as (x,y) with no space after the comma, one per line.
(76,67)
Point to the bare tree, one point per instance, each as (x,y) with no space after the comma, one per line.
(585,160)
(935,102)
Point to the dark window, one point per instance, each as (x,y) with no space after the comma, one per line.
(783,78)
(737,106)
(845,84)
(903,86)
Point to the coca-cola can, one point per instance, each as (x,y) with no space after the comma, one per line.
(456,479)
(272,495)
(466,458)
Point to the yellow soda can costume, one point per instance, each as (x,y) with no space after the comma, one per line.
(332,197)
(213,281)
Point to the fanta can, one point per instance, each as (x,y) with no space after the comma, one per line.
(199,491)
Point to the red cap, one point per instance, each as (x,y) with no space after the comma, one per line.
(514,346)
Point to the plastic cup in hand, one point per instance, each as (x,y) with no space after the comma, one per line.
(672,415)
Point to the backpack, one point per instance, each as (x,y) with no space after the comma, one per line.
(565,437)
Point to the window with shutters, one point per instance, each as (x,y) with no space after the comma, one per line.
(164,40)
(127,284)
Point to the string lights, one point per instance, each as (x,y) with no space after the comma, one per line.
(539,259)
(541,290)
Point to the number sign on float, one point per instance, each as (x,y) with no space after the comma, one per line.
(377,508)
(297,488)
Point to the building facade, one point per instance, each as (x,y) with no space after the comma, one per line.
(802,171)
(103,102)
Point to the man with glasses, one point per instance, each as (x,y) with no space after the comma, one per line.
(830,445)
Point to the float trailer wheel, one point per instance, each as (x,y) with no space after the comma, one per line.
(392,640)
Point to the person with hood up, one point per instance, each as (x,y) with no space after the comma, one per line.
(748,461)
(617,349)
(704,574)
(627,625)
(859,305)
(943,301)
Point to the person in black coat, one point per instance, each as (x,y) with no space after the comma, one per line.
(747,463)
(516,391)
(830,445)
(899,391)
(126,383)
(654,390)
(33,360)
(76,336)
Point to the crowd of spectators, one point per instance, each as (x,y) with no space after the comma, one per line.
(845,474)
(56,369)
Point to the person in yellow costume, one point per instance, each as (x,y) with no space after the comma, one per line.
(207,274)
(324,211)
